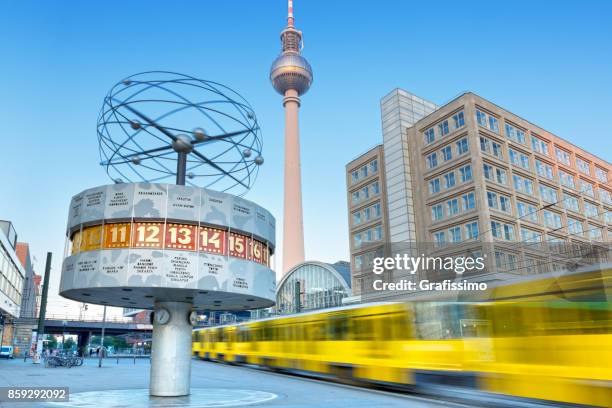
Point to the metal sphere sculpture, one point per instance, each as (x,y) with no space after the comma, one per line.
(157,126)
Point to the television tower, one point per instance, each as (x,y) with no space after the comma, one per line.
(291,76)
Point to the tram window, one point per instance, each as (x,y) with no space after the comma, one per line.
(364,329)
(317,331)
(402,329)
(267,332)
(338,327)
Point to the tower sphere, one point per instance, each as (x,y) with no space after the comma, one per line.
(291,71)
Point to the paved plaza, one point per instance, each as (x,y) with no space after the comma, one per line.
(125,384)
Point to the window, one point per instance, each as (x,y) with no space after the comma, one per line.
(462,146)
(583,166)
(571,202)
(485,144)
(377,210)
(454,234)
(497,150)
(492,199)
(378,233)
(439,238)
(364,171)
(452,206)
(447,153)
(562,156)
(357,239)
(436,212)
(488,171)
(487,121)
(375,188)
(449,180)
(432,160)
(566,179)
(515,134)
(465,173)
(544,170)
(586,188)
(595,233)
(468,201)
(574,226)
(365,193)
(528,235)
(552,220)
(504,204)
(443,128)
(518,159)
(481,118)
(355,197)
(539,145)
(458,119)
(493,124)
(373,166)
(496,229)
(471,230)
(499,201)
(434,186)
(548,194)
(527,211)
(357,218)
(601,175)
(591,210)
(605,196)
(508,232)
(608,216)
(500,176)
(429,136)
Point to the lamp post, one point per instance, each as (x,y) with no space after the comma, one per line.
(102,338)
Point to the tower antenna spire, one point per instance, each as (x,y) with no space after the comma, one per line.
(290,19)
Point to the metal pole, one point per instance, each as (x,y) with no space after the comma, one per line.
(181,168)
(102,338)
(43,310)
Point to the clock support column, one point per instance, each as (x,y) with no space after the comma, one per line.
(171,350)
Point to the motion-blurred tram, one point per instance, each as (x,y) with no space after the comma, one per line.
(528,344)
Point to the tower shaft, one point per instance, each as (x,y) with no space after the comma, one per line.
(293,224)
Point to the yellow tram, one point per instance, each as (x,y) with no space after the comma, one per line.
(530,345)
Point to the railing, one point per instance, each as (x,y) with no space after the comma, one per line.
(76,318)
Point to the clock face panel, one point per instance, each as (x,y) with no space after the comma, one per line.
(162,316)
(193,317)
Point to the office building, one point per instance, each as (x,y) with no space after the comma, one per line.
(12,277)
(470,177)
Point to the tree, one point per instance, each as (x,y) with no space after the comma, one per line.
(69,344)
(51,342)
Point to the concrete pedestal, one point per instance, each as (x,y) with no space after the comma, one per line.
(171,352)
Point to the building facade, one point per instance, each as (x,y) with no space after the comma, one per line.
(313,285)
(27,322)
(479,178)
(12,277)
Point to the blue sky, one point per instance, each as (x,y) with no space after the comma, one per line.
(548,61)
